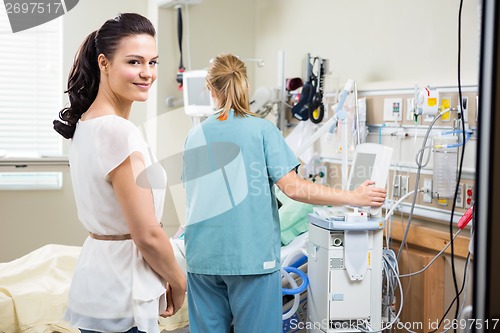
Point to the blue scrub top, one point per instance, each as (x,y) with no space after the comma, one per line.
(230,168)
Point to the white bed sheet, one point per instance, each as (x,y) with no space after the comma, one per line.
(34,288)
(34,291)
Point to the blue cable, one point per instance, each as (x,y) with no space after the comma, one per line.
(467,137)
(299,289)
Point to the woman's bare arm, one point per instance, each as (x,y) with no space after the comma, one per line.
(306,191)
(154,245)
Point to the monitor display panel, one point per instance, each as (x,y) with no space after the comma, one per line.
(371,161)
(197,99)
(362,169)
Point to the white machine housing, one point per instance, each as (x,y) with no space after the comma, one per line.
(345,254)
(339,301)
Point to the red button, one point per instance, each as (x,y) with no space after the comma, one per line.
(469,192)
(469,200)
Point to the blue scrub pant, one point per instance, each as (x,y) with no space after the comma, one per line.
(253,303)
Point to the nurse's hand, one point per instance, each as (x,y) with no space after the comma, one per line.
(368,195)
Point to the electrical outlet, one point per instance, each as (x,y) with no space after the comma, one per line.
(463,108)
(459,202)
(427,197)
(404,184)
(396,183)
(469,195)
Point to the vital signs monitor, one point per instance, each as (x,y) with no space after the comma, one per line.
(197,99)
(371,161)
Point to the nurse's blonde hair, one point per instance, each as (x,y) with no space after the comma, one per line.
(228,81)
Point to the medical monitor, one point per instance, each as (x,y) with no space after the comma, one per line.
(371,161)
(197,99)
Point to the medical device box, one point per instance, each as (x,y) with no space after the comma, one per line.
(345,274)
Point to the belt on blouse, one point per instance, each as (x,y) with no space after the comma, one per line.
(113,237)
(110,237)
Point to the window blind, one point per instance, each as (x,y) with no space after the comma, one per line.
(31,89)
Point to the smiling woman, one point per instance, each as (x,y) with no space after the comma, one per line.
(127,273)
(132,70)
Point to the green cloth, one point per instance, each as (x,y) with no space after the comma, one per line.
(294,217)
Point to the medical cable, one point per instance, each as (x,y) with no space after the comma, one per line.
(419,169)
(442,318)
(181,69)
(433,259)
(459,177)
(390,213)
(390,257)
(388,226)
(292,255)
(298,289)
(287,267)
(455,145)
(459,144)
(456,297)
(393,267)
(421,151)
(188,36)
(417,181)
(296,299)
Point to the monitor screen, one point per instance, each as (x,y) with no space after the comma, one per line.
(362,169)
(197,99)
(371,161)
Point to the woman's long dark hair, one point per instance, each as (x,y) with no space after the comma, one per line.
(84,77)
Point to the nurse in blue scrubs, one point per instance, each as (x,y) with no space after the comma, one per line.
(232,161)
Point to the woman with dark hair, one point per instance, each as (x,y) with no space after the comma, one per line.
(127,274)
(233,159)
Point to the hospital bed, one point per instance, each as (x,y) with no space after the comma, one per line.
(34,288)
(34,291)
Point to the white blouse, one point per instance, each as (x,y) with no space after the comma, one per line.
(113,288)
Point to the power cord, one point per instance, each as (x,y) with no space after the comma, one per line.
(433,259)
(461,108)
(456,299)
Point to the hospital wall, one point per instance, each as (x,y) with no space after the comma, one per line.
(379,44)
